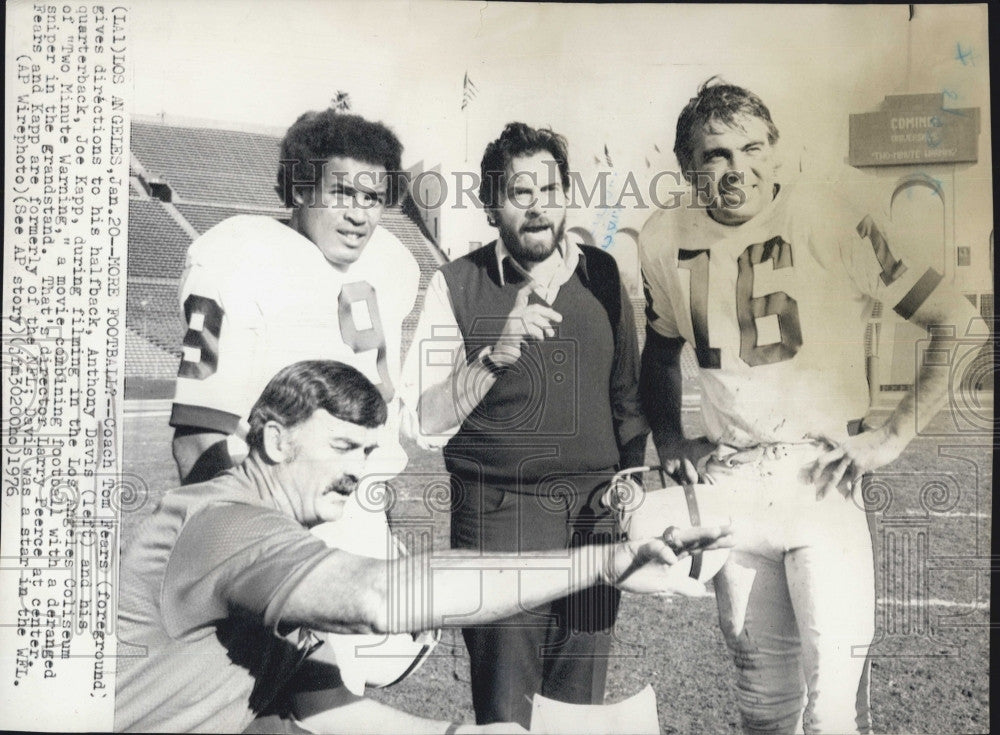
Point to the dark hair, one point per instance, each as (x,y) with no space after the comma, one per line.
(318,136)
(297,391)
(717,102)
(517,140)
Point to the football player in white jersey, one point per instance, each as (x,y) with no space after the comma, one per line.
(258,295)
(771,282)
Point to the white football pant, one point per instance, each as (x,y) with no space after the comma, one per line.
(796,598)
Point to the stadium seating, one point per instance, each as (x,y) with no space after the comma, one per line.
(156,243)
(153,311)
(210,175)
(206,165)
(146,358)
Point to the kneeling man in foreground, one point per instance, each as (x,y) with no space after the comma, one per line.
(224,585)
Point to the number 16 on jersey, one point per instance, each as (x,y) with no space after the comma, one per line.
(748,308)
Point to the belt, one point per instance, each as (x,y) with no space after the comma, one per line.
(734,456)
(695,515)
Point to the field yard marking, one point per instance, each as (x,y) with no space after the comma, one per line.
(935,602)
(148,408)
(984,605)
(945,514)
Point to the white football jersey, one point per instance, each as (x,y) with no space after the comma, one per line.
(258,296)
(776,310)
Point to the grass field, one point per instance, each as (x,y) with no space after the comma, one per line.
(931,515)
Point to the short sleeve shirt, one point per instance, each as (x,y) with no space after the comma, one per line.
(202,589)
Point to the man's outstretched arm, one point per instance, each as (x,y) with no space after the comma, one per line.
(350,594)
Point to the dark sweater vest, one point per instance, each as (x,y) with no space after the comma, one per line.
(550,413)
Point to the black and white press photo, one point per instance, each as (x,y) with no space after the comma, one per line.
(454,367)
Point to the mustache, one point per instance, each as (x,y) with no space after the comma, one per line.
(344,486)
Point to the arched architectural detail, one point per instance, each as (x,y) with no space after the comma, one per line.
(919,214)
(905,182)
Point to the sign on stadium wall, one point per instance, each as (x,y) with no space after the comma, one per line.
(914,129)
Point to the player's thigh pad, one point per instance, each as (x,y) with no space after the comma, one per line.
(775,506)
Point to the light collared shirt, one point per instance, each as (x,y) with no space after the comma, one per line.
(546,277)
